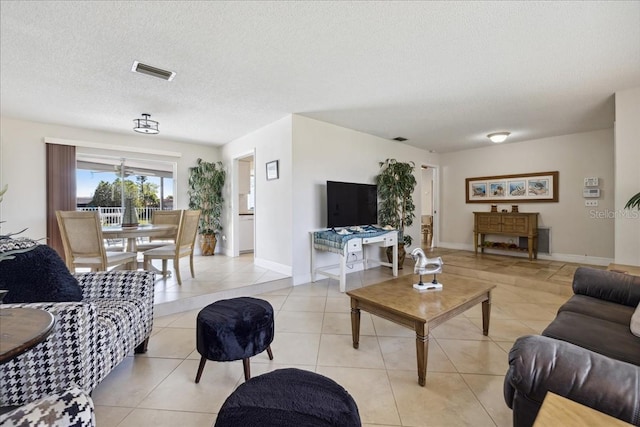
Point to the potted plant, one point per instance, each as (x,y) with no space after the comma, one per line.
(206,180)
(395,193)
(634,202)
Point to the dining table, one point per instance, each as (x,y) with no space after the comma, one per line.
(133,233)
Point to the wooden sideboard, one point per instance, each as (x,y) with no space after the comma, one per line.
(518,224)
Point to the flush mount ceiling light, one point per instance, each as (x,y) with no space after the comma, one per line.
(145,125)
(498,137)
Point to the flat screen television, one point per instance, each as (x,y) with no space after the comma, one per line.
(351,204)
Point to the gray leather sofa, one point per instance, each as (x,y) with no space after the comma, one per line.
(587,354)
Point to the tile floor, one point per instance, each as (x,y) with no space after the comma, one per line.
(313,332)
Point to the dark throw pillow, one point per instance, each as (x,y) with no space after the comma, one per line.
(38,275)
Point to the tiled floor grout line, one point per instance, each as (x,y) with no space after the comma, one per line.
(507,294)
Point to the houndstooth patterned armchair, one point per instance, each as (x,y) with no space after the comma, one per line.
(72,408)
(91,337)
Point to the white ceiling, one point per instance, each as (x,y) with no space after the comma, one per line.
(442,74)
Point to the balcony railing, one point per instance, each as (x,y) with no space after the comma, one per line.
(113,215)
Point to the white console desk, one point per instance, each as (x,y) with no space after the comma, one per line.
(345,245)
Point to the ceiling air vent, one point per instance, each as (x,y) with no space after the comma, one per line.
(139,67)
(399,139)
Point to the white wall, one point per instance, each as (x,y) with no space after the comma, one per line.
(23,166)
(577,234)
(627,155)
(321,152)
(274,200)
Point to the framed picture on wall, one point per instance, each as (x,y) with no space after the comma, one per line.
(272,170)
(526,187)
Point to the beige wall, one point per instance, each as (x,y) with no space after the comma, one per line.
(323,151)
(273,199)
(577,232)
(311,152)
(627,177)
(23,167)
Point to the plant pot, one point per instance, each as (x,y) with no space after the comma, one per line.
(401,255)
(208,244)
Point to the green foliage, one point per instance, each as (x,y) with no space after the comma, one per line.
(395,192)
(103,195)
(206,181)
(634,202)
(148,192)
(109,194)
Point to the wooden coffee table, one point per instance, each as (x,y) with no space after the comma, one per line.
(396,300)
(560,411)
(22,329)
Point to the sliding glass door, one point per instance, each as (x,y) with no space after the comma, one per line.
(104,183)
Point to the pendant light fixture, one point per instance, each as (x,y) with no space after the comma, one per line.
(145,125)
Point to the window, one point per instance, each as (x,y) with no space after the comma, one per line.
(103,183)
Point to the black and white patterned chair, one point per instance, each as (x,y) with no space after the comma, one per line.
(72,408)
(90,339)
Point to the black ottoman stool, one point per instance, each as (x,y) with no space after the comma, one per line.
(234,329)
(289,397)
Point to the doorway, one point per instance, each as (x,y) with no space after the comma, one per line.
(429,207)
(245,196)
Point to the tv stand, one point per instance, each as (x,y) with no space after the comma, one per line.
(354,243)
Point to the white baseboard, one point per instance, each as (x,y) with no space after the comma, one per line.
(458,246)
(578,259)
(287,270)
(304,278)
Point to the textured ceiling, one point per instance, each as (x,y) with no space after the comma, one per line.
(442,74)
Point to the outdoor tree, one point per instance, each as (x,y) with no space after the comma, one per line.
(103,195)
(143,194)
(130,191)
(149,195)
(141,180)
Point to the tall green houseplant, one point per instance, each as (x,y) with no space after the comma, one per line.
(634,202)
(395,194)
(206,181)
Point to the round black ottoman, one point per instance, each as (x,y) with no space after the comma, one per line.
(289,397)
(234,329)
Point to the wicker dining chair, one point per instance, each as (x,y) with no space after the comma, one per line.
(162,218)
(427,228)
(184,246)
(84,244)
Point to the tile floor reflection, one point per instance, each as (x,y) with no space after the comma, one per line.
(313,332)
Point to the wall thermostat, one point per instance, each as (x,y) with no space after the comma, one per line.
(591,182)
(591,192)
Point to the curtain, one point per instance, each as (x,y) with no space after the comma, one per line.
(61,189)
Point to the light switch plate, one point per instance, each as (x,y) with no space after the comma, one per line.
(591,182)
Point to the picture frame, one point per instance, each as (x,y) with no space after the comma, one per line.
(521,188)
(272,170)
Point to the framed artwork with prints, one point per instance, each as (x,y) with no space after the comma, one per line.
(527,187)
